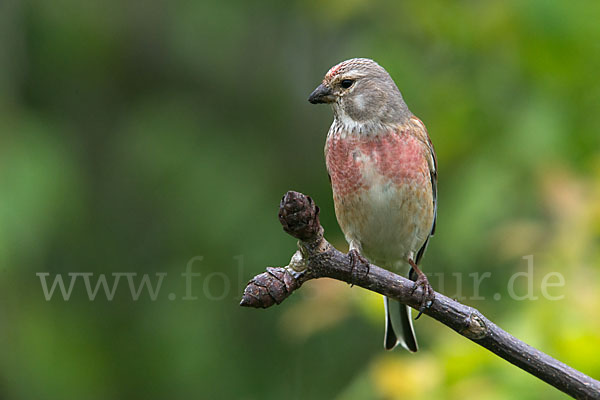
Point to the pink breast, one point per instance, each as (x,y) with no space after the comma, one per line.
(399,157)
(342,164)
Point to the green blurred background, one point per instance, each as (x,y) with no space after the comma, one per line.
(138,135)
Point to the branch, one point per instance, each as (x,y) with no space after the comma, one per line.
(317,258)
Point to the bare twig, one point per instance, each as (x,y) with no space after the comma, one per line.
(317,258)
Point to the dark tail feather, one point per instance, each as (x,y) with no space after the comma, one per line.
(398,326)
(390,340)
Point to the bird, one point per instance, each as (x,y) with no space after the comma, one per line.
(383,172)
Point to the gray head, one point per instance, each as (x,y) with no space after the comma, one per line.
(361,92)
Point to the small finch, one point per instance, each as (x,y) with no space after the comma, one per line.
(382,168)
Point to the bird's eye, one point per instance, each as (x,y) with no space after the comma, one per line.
(346,83)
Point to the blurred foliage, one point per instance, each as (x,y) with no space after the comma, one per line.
(137,135)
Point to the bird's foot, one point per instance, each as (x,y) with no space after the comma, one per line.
(422,282)
(357,261)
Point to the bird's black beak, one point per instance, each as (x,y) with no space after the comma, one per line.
(322,94)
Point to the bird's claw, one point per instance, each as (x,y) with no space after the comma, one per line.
(356,260)
(428,293)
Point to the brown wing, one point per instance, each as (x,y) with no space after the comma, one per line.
(433,173)
(421,132)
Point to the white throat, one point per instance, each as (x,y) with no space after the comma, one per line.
(345,125)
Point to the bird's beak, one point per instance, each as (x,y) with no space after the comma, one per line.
(322,94)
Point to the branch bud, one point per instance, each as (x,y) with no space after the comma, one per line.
(299,216)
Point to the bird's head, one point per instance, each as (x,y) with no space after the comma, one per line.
(361,92)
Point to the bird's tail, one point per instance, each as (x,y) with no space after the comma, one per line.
(398,326)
